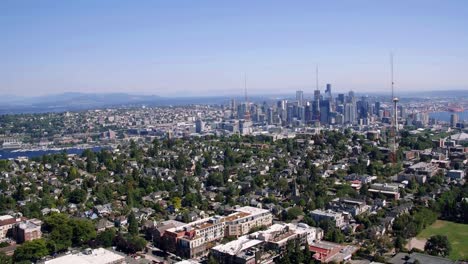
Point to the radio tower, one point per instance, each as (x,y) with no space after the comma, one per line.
(247,105)
(394,124)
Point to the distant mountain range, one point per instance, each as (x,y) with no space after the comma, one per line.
(83,101)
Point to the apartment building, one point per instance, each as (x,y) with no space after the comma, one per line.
(320,215)
(7,222)
(194,239)
(245,218)
(28,230)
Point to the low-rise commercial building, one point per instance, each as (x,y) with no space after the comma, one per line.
(95,256)
(267,245)
(325,251)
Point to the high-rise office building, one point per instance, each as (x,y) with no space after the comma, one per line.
(377,108)
(289,113)
(328,91)
(317,95)
(454,120)
(324,111)
(270,116)
(308,115)
(350,113)
(233,104)
(363,108)
(281,105)
(300,97)
(340,99)
(241,110)
(301,113)
(316,110)
(199,126)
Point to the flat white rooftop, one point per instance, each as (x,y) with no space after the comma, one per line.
(5,217)
(236,246)
(98,256)
(251,210)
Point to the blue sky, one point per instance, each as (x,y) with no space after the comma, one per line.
(185,48)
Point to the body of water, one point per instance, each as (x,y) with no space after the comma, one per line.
(8,154)
(445,116)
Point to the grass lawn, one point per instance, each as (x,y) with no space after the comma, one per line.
(456,233)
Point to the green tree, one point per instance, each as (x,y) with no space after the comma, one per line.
(215,179)
(106,237)
(61,233)
(399,243)
(73,174)
(83,231)
(293,213)
(77,196)
(5,259)
(20,193)
(132,224)
(177,202)
(438,245)
(31,251)
(212,260)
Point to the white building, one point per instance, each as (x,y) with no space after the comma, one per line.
(456,174)
(95,256)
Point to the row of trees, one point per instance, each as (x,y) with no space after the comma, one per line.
(409,225)
(63,232)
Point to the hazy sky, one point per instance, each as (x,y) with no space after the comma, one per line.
(195,47)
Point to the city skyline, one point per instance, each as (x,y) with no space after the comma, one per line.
(174,49)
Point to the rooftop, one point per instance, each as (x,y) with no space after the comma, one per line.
(238,245)
(98,256)
(403,258)
(325,245)
(251,210)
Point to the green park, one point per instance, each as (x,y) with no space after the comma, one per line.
(456,233)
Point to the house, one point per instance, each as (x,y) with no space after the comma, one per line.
(104,224)
(103,210)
